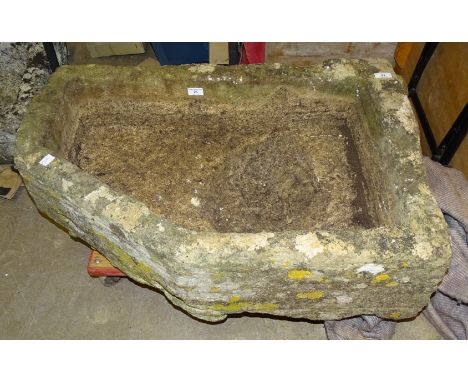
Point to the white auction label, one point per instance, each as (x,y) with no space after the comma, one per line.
(383,75)
(46,160)
(195,91)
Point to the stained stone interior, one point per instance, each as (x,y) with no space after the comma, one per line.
(285,162)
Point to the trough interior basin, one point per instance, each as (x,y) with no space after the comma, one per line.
(285,160)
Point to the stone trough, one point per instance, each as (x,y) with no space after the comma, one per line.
(294,192)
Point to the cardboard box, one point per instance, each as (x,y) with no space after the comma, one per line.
(219,53)
(105,49)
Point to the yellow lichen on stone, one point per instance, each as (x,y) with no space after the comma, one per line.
(391,284)
(395,315)
(145,268)
(299,274)
(311,295)
(234,299)
(231,307)
(404,264)
(238,305)
(217,277)
(265,306)
(379,278)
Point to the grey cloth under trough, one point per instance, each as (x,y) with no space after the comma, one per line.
(448,307)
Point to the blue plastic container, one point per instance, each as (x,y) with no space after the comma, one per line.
(176,53)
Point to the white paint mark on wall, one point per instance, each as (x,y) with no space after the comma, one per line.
(371,268)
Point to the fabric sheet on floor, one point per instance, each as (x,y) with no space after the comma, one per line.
(448,308)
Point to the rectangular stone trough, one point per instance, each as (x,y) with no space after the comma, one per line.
(294,192)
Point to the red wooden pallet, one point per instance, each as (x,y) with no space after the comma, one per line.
(99,266)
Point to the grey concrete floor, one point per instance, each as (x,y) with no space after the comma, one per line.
(46,293)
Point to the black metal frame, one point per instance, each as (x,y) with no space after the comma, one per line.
(444,152)
(453,139)
(424,58)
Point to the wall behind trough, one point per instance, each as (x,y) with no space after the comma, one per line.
(23,71)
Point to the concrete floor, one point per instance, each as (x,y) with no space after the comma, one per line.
(46,293)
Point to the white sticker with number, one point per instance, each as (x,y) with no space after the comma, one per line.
(195,91)
(383,75)
(46,160)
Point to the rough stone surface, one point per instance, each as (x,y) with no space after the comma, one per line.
(23,70)
(389,270)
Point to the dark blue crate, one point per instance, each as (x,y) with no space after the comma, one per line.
(176,53)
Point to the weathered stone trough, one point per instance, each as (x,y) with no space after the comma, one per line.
(295,192)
